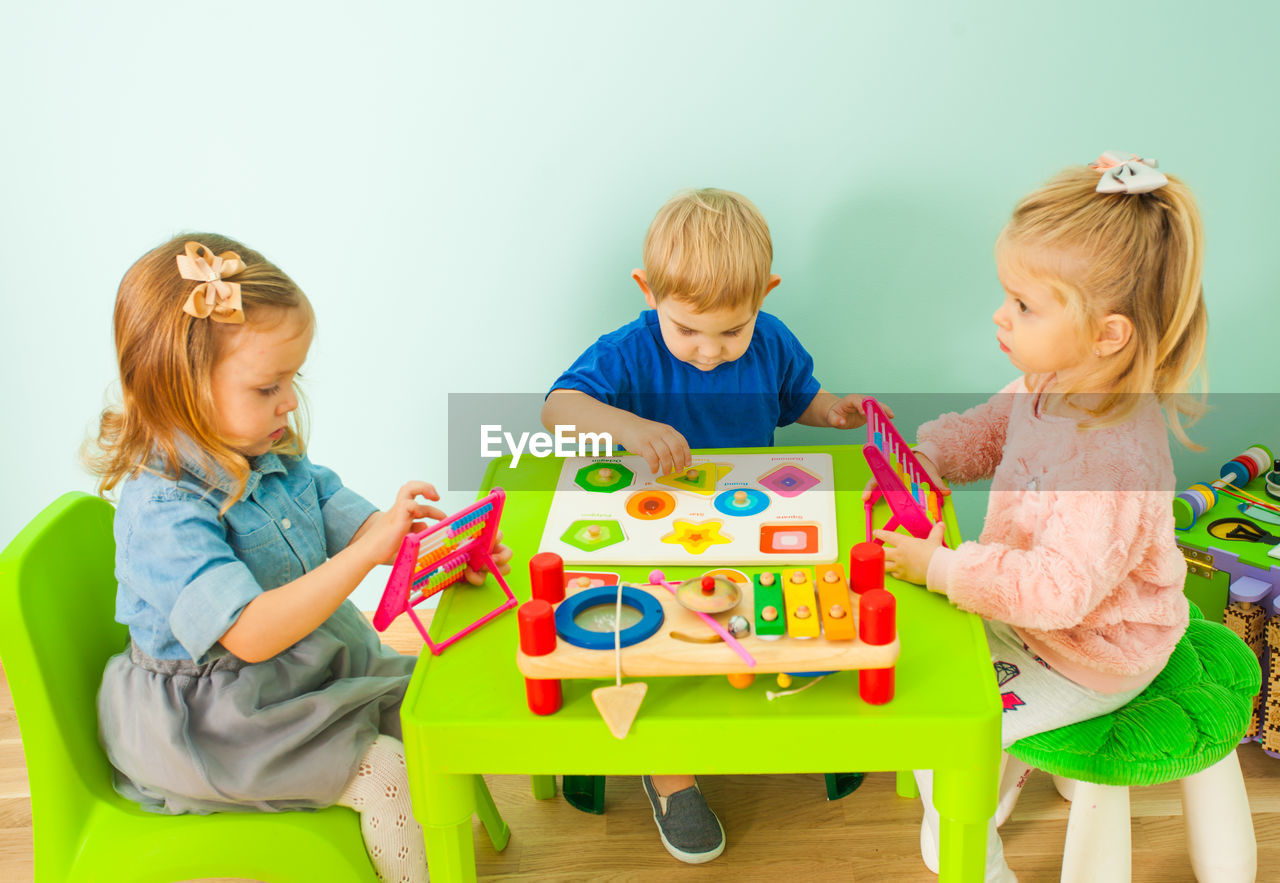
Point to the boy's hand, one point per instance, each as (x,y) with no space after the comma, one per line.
(908,558)
(501,556)
(847,413)
(382,532)
(663,449)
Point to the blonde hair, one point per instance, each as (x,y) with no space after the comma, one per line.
(166,359)
(711,249)
(1136,255)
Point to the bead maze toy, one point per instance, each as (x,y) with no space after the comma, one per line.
(731,510)
(796,619)
(437,557)
(1233,571)
(902,481)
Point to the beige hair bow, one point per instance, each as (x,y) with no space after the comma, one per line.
(213,297)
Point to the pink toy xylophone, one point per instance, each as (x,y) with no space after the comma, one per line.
(432,559)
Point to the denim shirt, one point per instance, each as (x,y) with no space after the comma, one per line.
(185,573)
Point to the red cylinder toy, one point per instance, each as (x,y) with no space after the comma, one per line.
(546,577)
(877,624)
(866,567)
(538,638)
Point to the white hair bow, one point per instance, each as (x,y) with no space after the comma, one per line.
(1127,173)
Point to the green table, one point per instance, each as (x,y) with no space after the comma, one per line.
(465,712)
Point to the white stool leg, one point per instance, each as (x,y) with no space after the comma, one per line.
(1066,787)
(1013,775)
(1098,846)
(1215,809)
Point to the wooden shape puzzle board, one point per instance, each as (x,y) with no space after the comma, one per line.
(727,510)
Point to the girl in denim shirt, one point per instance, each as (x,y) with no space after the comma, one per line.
(250,682)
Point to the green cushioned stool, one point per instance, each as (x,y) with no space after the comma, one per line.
(1185,726)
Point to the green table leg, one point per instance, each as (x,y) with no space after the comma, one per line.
(907,785)
(544,787)
(966,801)
(444,805)
(499,832)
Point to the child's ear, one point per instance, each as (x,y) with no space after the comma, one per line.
(643,281)
(1113,334)
(774,281)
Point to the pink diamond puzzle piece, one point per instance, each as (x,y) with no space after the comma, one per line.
(788,480)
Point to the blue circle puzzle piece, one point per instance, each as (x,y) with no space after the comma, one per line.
(650,617)
(756,502)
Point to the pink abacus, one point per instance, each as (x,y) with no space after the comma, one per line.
(431,560)
(915,500)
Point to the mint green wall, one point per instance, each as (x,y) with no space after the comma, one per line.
(462,188)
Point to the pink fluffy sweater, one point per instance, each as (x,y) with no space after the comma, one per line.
(1077,552)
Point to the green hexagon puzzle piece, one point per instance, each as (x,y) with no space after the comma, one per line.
(604,478)
(590,536)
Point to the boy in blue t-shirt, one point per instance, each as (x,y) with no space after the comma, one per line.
(703,368)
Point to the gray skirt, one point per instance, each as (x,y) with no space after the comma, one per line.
(286,733)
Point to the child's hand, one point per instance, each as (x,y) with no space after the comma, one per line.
(908,558)
(847,412)
(663,449)
(382,533)
(501,556)
(931,469)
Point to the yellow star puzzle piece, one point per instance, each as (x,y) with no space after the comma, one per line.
(696,538)
(700,479)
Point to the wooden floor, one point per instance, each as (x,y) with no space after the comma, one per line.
(777,826)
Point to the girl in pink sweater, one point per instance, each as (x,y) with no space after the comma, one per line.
(1076,571)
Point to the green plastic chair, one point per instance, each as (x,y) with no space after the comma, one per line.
(57,630)
(1184,726)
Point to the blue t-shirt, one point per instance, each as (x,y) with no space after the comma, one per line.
(185,573)
(737,404)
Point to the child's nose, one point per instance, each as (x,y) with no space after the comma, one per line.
(999,317)
(289,403)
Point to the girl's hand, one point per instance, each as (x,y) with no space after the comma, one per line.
(664,450)
(847,413)
(501,556)
(382,533)
(908,558)
(931,469)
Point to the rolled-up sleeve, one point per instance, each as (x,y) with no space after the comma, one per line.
(342,509)
(176,557)
(600,372)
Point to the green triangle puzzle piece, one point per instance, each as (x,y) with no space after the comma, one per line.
(705,483)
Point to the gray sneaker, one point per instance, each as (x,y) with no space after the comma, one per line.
(690,830)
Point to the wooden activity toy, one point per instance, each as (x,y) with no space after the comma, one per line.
(902,481)
(437,557)
(1233,568)
(786,620)
(1193,502)
(734,509)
